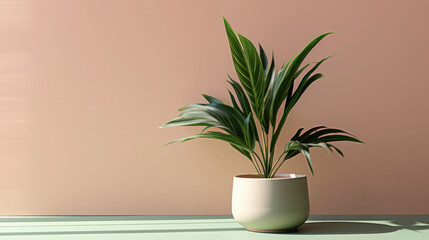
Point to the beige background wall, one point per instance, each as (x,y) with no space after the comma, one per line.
(84,84)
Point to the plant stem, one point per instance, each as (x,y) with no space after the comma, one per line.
(267,156)
(260,149)
(284,160)
(255,155)
(256,167)
(274,166)
(263,153)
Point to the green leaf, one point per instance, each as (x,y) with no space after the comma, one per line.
(268,69)
(290,91)
(305,82)
(288,107)
(254,83)
(244,152)
(309,132)
(227,116)
(311,80)
(235,143)
(187,122)
(244,103)
(264,59)
(306,152)
(248,133)
(215,135)
(336,138)
(216,115)
(234,102)
(298,93)
(322,132)
(322,145)
(258,95)
(292,145)
(241,96)
(211,99)
(275,88)
(297,134)
(249,69)
(315,137)
(204,129)
(336,149)
(285,82)
(269,77)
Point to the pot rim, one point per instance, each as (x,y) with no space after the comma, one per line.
(288,176)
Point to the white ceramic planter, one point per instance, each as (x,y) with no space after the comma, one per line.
(276,204)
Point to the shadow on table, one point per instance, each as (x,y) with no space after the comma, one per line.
(318,228)
(121,231)
(346,224)
(319,225)
(397,222)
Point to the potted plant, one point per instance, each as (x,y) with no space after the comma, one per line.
(252,124)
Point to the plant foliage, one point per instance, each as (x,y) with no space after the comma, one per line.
(252,123)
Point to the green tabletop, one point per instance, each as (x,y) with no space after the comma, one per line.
(378,227)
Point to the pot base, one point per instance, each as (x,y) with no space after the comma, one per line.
(273,231)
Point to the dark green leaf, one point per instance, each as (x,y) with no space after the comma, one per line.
(297,134)
(336,138)
(248,67)
(280,93)
(211,99)
(241,96)
(234,102)
(336,149)
(306,152)
(309,132)
(264,59)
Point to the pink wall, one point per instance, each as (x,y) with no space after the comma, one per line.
(84,84)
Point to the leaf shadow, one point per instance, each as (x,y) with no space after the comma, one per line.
(332,228)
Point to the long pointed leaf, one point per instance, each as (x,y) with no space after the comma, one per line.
(211,99)
(306,152)
(214,135)
(234,102)
(286,81)
(336,138)
(248,67)
(336,149)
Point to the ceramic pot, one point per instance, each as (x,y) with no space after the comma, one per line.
(276,204)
